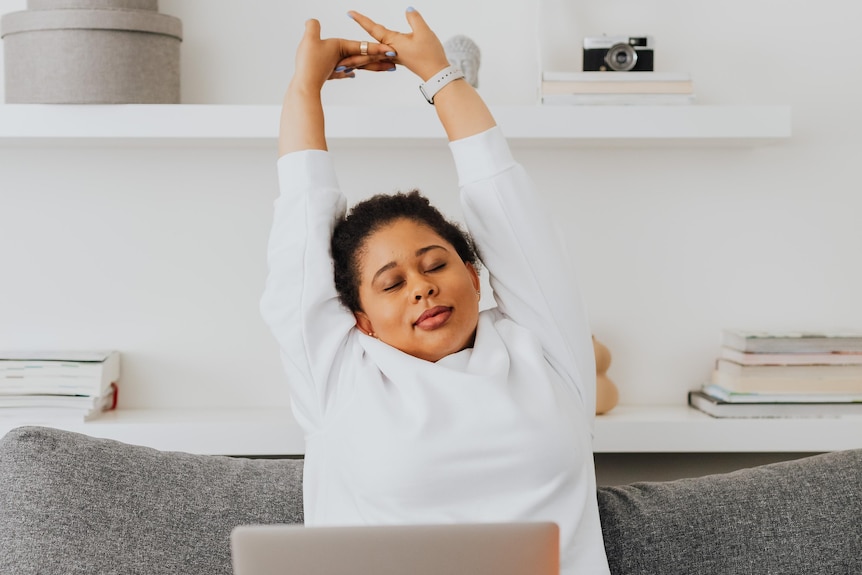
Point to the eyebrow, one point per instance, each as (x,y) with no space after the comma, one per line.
(419,252)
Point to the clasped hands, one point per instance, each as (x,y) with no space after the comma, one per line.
(319,60)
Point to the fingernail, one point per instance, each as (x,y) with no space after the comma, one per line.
(392,69)
(348,70)
(391,54)
(411,9)
(349,15)
(341,69)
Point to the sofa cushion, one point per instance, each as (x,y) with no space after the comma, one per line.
(73,504)
(802,516)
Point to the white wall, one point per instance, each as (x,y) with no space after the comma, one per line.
(160,253)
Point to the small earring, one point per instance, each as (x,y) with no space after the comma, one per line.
(372,334)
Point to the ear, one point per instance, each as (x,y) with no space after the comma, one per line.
(474,275)
(363,323)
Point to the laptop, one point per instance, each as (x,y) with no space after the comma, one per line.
(459,549)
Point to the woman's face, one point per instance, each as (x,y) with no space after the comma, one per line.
(417,294)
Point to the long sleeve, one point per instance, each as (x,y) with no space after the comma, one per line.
(530,271)
(300,303)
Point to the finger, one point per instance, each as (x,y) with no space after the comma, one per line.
(312,29)
(362,61)
(416,21)
(339,75)
(380,66)
(371,49)
(375,30)
(347,65)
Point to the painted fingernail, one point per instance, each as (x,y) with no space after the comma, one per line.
(349,15)
(392,69)
(341,69)
(411,9)
(391,54)
(348,70)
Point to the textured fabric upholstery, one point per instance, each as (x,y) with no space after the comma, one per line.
(795,517)
(71,504)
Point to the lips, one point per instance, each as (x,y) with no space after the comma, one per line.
(433,318)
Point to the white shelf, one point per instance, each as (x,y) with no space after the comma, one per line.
(626,429)
(681,429)
(211,431)
(187,125)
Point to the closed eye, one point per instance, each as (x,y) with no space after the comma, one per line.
(437,267)
(393,287)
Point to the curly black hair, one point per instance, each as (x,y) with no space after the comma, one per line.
(368,216)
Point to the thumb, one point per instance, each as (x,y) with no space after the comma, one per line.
(415,20)
(312,29)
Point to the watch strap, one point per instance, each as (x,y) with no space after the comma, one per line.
(436,82)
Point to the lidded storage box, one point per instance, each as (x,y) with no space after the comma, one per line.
(91,52)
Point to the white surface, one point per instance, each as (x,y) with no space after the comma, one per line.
(204,431)
(236,125)
(626,429)
(679,429)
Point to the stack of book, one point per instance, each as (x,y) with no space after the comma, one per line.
(40,386)
(761,374)
(627,88)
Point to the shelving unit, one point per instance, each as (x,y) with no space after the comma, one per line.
(196,125)
(626,429)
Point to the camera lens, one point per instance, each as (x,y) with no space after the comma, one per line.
(621,57)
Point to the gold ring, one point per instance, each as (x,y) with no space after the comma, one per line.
(363,48)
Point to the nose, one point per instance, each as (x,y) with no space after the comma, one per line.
(423,291)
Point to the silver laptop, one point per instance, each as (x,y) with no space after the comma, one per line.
(464,549)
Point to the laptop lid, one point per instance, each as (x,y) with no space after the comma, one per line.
(460,549)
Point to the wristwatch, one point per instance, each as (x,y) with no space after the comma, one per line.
(438,80)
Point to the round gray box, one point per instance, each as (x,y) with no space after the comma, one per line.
(84,56)
(93,4)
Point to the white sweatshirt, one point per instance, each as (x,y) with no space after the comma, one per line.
(498,432)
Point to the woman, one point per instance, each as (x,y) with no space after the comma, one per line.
(417,407)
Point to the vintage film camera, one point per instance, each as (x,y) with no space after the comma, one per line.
(618,54)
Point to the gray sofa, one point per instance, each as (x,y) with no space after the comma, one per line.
(72,504)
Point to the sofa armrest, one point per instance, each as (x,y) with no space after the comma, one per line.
(73,504)
(802,516)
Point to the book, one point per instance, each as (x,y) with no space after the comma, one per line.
(722,409)
(83,356)
(54,408)
(617,99)
(729,396)
(829,358)
(58,372)
(792,342)
(783,384)
(573,75)
(799,371)
(615,83)
(615,77)
(615,88)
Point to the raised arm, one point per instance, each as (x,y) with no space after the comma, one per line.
(319,60)
(300,303)
(461,110)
